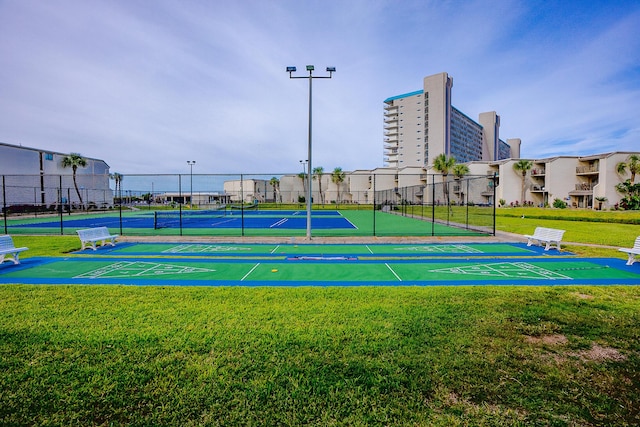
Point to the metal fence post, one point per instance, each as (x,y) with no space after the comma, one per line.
(4,204)
(181,200)
(374,204)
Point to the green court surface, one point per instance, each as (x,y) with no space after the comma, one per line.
(191,264)
(361,250)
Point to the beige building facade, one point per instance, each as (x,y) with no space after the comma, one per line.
(577,180)
(420,125)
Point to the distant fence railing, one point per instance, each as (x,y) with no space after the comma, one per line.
(464,204)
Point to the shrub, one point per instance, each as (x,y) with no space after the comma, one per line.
(560,204)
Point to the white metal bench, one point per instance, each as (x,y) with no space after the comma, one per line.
(548,236)
(633,252)
(8,250)
(89,237)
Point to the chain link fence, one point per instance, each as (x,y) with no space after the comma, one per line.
(436,205)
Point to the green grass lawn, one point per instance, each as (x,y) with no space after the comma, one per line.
(81,355)
(443,356)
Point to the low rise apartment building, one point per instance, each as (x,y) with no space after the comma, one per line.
(577,180)
(36,177)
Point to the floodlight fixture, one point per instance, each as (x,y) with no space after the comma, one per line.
(291,69)
(331,69)
(310,68)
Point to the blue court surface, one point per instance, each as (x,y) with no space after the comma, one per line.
(267,219)
(190,264)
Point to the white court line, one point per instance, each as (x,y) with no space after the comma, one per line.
(279,223)
(275,249)
(394,273)
(215,224)
(347,219)
(250,271)
(369,249)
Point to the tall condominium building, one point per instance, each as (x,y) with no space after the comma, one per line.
(420,125)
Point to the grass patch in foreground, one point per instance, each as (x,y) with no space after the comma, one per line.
(82,355)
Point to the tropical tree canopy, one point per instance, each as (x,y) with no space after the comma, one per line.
(117,177)
(632,165)
(317,173)
(460,170)
(337,177)
(275,184)
(74,161)
(631,192)
(523,166)
(444,164)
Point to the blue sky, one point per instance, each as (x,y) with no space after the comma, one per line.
(147,85)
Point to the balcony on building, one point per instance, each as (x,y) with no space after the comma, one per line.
(591,169)
(583,188)
(391,139)
(539,171)
(488,191)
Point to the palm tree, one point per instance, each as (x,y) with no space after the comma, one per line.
(117,177)
(632,164)
(275,184)
(444,164)
(303,177)
(459,171)
(337,177)
(317,173)
(75,160)
(523,166)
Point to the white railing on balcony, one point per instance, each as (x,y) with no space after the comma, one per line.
(587,169)
(585,186)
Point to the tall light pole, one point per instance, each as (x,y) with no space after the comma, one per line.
(304,173)
(310,69)
(191,163)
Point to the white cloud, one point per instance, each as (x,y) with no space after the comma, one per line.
(147,86)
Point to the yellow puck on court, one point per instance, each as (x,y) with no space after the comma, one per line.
(275,270)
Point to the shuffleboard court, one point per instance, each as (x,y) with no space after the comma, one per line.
(361,250)
(313,271)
